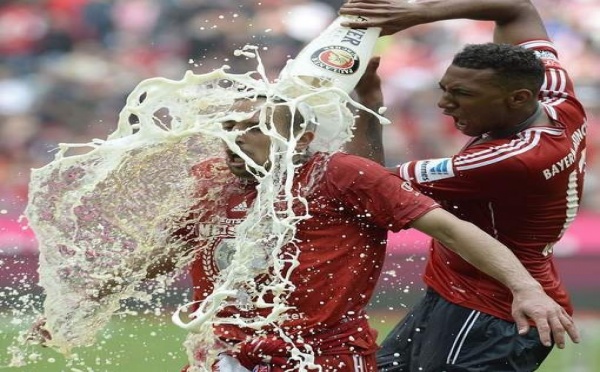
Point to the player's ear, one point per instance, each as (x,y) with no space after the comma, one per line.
(519,98)
(305,140)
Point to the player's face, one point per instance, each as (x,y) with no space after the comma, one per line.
(473,99)
(252,141)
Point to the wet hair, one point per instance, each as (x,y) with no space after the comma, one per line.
(515,67)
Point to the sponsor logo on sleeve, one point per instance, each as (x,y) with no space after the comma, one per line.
(434,170)
(548,58)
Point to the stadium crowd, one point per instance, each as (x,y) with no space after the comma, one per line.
(66,67)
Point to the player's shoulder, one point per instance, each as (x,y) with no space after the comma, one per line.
(212,174)
(544,50)
(342,159)
(558,92)
(340,165)
(209,167)
(527,149)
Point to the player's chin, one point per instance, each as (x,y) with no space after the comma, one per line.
(240,171)
(237,170)
(469,133)
(467,130)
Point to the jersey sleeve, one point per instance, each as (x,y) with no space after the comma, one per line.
(479,172)
(374,193)
(557,93)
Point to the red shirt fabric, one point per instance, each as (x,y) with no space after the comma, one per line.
(523,190)
(352,202)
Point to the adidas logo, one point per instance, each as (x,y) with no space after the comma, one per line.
(441,168)
(242,207)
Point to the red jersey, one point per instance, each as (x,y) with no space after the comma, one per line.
(352,202)
(523,190)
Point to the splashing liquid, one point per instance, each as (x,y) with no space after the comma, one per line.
(103,218)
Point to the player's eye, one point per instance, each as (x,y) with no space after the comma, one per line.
(254,129)
(228,126)
(459,92)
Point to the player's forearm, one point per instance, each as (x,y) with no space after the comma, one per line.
(367,137)
(367,140)
(478,248)
(489,255)
(516,20)
(500,11)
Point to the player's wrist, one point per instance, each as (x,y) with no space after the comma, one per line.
(525,286)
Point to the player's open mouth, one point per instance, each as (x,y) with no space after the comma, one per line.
(235,160)
(460,125)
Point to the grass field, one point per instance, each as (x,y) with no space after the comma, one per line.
(152,344)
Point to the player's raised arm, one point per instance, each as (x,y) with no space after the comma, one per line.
(367,139)
(516,20)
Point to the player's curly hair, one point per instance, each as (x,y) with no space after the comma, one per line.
(515,66)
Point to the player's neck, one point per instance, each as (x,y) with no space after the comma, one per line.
(511,131)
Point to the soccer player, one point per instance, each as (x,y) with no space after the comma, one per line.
(519,178)
(352,203)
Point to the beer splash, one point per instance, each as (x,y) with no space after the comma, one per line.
(103,218)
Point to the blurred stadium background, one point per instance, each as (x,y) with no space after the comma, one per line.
(66,67)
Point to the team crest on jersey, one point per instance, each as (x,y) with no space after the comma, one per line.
(336,58)
(406,186)
(434,170)
(223,254)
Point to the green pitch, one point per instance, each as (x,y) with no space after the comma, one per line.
(153,344)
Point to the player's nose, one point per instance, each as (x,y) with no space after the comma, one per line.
(446,102)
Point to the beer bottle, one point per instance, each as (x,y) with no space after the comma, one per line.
(337,57)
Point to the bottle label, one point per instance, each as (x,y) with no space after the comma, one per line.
(336,58)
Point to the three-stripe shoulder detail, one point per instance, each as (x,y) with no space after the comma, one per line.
(537,44)
(525,141)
